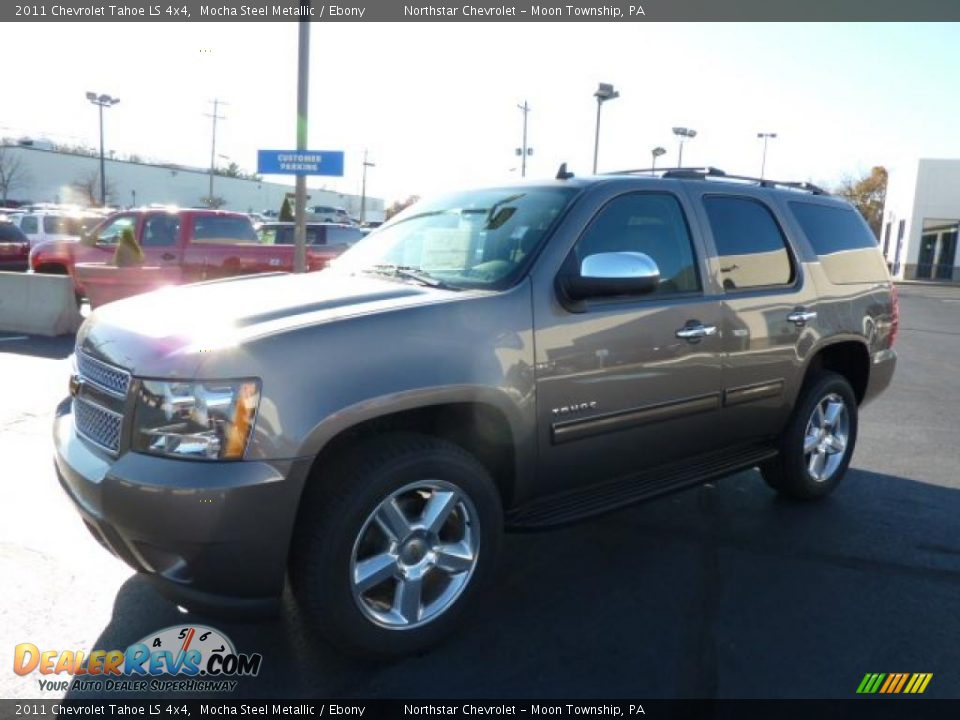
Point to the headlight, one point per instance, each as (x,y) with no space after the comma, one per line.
(201,420)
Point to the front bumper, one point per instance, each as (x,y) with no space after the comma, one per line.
(214,536)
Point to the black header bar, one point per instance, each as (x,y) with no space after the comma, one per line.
(479,11)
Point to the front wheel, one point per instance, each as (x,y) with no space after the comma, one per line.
(818,442)
(393,544)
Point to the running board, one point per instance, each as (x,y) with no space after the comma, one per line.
(572,505)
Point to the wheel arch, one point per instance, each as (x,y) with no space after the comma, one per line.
(484,424)
(848,357)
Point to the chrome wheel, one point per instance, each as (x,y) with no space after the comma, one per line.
(826,437)
(415,554)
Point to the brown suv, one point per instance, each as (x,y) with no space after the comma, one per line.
(517,356)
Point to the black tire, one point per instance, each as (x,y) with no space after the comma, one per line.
(790,473)
(336,519)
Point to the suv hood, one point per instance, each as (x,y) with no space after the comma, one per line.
(167,331)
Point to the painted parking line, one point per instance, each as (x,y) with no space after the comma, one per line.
(15,337)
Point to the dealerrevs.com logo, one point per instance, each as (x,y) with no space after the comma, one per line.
(193,658)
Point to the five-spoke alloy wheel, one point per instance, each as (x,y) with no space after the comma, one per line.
(395,537)
(415,554)
(818,442)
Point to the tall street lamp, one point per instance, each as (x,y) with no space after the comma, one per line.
(657,152)
(102,101)
(765,137)
(604,92)
(682,134)
(363,188)
(524,151)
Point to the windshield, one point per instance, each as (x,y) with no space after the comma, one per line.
(478,238)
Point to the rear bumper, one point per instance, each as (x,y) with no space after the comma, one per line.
(212,536)
(882,365)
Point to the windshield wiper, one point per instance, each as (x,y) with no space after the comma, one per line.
(411,273)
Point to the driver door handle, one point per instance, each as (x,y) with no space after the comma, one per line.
(801,316)
(695,332)
(169,256)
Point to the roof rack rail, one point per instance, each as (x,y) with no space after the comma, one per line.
(703,173)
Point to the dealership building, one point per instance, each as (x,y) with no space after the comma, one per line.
(921,218)
(50,176)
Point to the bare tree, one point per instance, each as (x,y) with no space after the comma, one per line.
(13,174)
(88,188)
(214,203)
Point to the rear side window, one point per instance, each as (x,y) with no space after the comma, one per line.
(161,230)
(28,223)
(832,229)
(54,225)
(750,245)
(226,230)
(840,236)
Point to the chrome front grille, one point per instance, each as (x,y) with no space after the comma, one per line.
(99,400)
(107,377)
(98,424)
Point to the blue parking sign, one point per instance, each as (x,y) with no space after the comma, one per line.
(300,162)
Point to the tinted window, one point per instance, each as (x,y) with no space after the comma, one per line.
(842,239)
(343,235)
(161,230)
(832,229)
(751,248)
(219,229)
(11,233)
(28,223)
(284,235)
(650,223)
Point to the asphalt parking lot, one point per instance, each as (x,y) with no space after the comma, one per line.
(720,591)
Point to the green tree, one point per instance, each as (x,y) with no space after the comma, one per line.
(286,211)
(867,194)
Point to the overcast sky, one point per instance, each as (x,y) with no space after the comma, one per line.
(436,103)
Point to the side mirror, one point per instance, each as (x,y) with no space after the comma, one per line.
(611,274)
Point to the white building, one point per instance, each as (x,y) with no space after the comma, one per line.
(57,177)
(921,218)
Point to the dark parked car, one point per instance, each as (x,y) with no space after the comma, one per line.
(14,248)
(334,237)
(518,356)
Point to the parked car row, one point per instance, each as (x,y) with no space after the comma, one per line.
(203,244)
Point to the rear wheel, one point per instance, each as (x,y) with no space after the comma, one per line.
(394,543)
(818,442)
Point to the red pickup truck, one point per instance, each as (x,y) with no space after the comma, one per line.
(205,244)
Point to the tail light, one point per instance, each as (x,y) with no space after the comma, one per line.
(895,313)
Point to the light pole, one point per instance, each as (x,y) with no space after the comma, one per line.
(524,151)
(363,188)
(657,152)
(683,133)
(213,146)
(303,107)
(102,101)
(604,92)
(765,137)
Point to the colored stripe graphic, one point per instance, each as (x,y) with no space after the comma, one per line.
(894,683)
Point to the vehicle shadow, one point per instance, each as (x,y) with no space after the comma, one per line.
(52,348)
(725,590)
